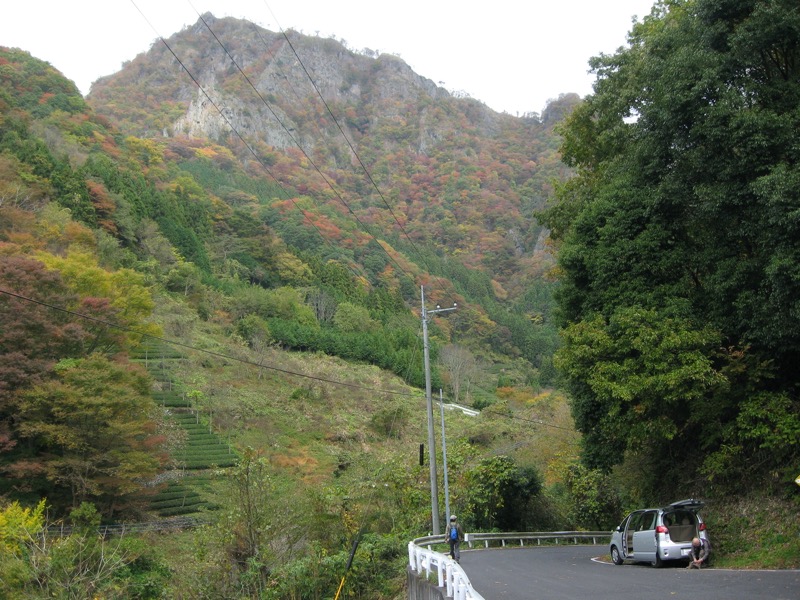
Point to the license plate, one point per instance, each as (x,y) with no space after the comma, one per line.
(685,551)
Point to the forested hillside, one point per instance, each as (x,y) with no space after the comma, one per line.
(210,277)
(680,251)
(353,131)
(188,324)
(353,157)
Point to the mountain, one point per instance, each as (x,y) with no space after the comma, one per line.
(356,131)
(303,222)
(189,327)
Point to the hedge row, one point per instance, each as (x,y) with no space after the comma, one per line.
(183,497)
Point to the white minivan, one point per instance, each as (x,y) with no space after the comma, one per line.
(655,535)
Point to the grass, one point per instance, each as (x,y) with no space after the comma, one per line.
(756,532)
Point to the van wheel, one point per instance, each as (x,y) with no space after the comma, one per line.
(656,562)
(616,558)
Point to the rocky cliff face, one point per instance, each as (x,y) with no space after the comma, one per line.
(462,177)
(283,100)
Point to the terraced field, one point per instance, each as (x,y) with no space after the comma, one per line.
(187,496)
(203,448)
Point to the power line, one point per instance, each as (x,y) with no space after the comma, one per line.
(288,132)
(297,143)
(202,350)
(250,149)
(252,363)
(535,421)
(354,151)
(230,125)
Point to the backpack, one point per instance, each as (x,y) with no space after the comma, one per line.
(453,533)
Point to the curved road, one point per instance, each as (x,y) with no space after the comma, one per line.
(569,573)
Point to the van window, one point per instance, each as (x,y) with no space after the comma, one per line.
(649,520)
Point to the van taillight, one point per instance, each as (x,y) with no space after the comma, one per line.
(702,526)
(662,529)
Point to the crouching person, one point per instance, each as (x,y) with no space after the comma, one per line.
(699,554)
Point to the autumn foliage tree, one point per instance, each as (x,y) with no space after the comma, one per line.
(70,419)
(93,429)
(33,336)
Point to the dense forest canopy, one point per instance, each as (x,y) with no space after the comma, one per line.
(200,317)
(679,255)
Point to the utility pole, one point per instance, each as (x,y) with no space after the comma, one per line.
(431,439)
(444,461)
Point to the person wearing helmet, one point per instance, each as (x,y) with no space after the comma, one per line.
(454,536)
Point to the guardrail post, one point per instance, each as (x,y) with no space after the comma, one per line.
(461,592)
(449,581)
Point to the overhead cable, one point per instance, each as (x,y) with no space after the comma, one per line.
(202,350)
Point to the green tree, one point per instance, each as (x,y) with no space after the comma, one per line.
(184,277)
(350,318)
(593,502)
(255,331)
(501,493)
(636,380)
(682,208)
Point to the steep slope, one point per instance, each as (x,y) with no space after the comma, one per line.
(117,219)
(447,172)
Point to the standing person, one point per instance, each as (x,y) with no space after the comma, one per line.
(455,535)
(698,556)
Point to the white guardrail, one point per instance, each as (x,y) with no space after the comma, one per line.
(425,561)
(422,558)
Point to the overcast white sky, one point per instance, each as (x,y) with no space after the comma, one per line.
(513,55)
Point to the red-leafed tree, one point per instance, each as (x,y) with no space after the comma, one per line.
(33,336)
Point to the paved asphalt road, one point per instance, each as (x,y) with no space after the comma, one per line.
(568,573)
